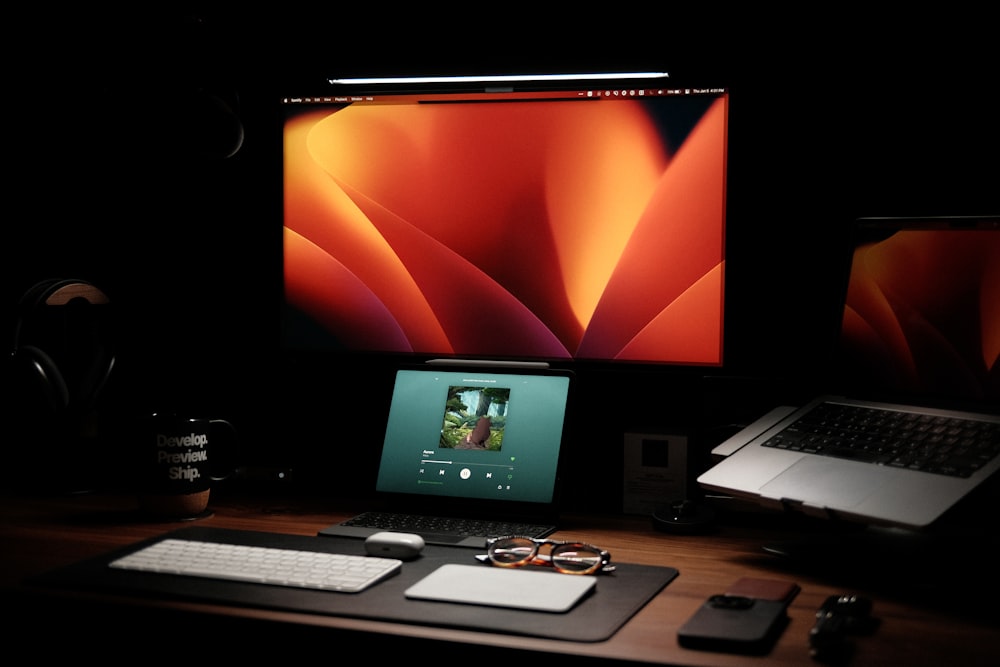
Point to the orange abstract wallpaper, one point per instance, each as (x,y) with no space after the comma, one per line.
(905,327)
(523,229)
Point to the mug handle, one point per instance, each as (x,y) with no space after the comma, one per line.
(225,454)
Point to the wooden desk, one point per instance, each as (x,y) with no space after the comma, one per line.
(927,617)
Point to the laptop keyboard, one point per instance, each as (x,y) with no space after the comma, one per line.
(942,445)
(323,571)
(437,525)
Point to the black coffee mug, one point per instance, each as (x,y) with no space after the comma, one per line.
(178,459)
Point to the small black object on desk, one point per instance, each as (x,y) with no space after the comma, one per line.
(838,617)
(683,516)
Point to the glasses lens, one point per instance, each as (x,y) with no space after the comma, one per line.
(512,550)
(576,558)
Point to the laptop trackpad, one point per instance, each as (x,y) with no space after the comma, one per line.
(824,482)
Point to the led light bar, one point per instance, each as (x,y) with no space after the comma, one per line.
(502,78)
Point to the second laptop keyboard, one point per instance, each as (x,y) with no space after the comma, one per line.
(955,446)
(317,570)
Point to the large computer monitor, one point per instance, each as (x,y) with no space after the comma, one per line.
(548,218)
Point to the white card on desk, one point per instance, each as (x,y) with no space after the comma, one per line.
(535,590)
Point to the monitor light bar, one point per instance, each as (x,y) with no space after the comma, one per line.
(502,78)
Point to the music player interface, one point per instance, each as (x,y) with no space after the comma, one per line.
(474,434)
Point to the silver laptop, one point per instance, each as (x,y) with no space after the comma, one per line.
(470,450)
(918,348)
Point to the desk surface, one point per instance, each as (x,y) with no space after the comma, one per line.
(929,613)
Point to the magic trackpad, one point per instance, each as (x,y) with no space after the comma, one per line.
(824,482)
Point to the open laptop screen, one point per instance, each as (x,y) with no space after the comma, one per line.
(922,315)
(477,434)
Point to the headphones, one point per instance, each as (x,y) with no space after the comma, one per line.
(63,351)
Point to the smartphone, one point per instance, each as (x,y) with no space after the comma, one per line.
(735,624)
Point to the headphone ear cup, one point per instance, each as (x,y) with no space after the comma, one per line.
(38,395)
(40,377)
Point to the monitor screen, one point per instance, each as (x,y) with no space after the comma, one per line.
(579,219)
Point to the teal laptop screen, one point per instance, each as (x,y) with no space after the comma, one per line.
(474,434)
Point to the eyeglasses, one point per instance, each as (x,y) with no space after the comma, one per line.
(565,557)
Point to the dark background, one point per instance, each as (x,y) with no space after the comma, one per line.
(121,171)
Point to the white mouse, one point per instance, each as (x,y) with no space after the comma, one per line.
(404,546)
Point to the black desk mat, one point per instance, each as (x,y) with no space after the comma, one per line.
(617,596)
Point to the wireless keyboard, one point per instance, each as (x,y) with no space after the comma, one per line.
(342,573)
